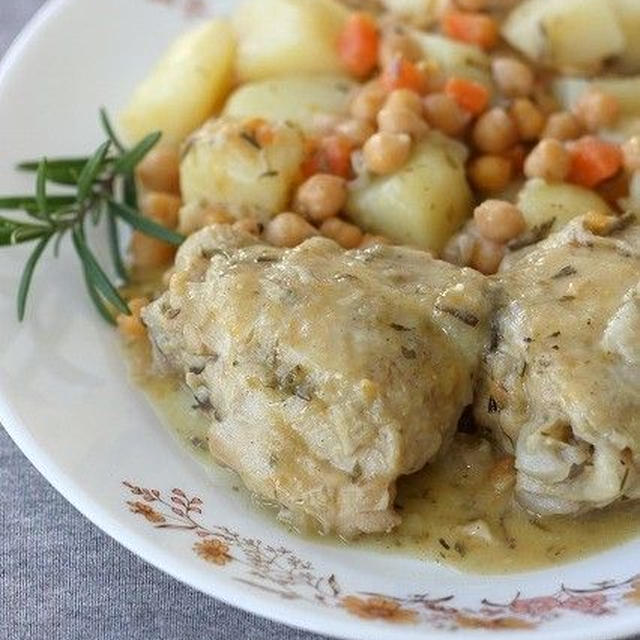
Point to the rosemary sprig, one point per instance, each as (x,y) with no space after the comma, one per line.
(99,187)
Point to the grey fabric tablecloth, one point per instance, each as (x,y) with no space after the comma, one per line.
(63,579)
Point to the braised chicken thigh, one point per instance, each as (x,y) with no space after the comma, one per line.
(560,383)
(325,374)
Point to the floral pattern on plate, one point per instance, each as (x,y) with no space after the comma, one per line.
(279,571)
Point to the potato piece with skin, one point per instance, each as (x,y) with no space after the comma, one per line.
(572,35)
(225,164)
(296,99)
(186,86)
(424,203)
(540,202)
(280,37)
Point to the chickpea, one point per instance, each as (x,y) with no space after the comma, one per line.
(396,42)
(487,256)
(597,109)
(288,230)
(529,119)
(160,170)
(474,5)
(435,77)
(544,100)
(445,114)
(459,250)
(386,152)
(149,253)
(326,123)
(369,240)
(131,327)
(514,78)
(499,221)
(162,208)
(404,99)
(402,120)
(356,131)
(368,101)
(631,153)
(495,131)
(249,225)
(490,173)
(562,125)
(548,160)
(345,234)
(322,196)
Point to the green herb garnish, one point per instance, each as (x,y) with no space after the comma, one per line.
(100,187)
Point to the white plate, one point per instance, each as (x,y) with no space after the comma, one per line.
(65,400)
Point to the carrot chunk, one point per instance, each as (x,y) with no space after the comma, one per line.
(402,74)
(331,154)
(593,161)
(358,45)
(473,28)
(471,96)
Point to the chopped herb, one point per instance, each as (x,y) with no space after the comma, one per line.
(460,314)
(399,327)
(409,354)
(532,236)
(555,334)
(269,174)
(250,138)
(444,543)
(565,272)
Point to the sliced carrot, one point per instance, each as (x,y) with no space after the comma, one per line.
(474,28)
(358,44)
(593,161)
(331,154)
(471,96)
(402,74)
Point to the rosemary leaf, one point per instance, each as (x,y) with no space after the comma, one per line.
(65,171)
(41,189)
(91,171)
(109,130)
(97,300)
(114,246)
(97,277)
(30,204)
(145,225)
(27,276)
(128,161)
(130,191)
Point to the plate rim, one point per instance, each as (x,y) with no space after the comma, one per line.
(314,621)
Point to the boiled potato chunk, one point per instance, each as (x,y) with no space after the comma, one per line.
(455,58)
(628,13)
(226,165)
(295,99)
(186,87)
(541,202)
(280,37)
(424,203)
(421,12)
(571,35)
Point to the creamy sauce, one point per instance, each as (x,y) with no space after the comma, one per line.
(458,511)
